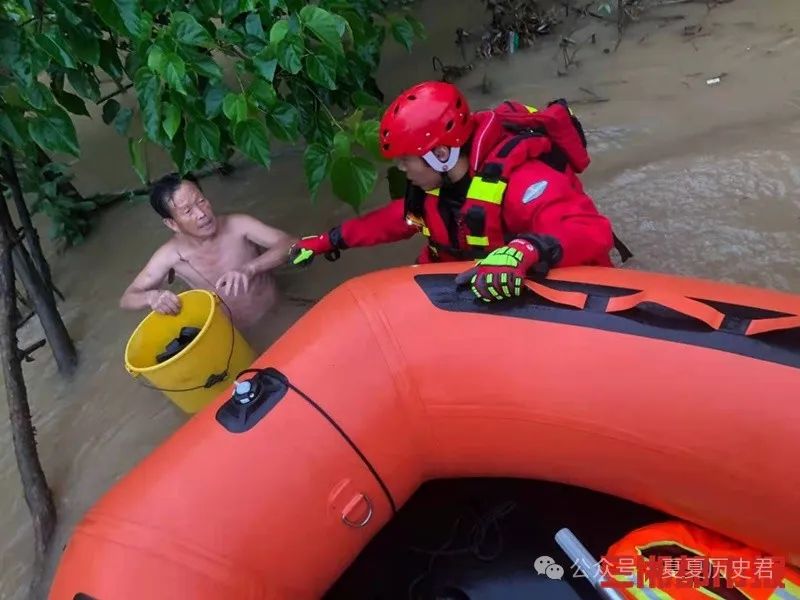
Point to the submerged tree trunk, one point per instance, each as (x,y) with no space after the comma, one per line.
(41,297)
(31,235)
(37,493)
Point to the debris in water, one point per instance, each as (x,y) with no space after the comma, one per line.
(515,25)
(715,80)
(450,72)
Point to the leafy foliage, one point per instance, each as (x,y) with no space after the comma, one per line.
(210,77)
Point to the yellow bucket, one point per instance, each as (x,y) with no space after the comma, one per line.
(202,370)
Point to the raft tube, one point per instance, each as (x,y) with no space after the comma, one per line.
(676,393)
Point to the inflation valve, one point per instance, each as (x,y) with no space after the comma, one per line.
(252,399)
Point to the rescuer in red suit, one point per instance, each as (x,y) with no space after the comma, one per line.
(497,186)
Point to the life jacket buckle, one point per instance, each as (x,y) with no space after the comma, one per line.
(413,219)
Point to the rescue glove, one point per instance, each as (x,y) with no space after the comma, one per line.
(302,253)
(501,274)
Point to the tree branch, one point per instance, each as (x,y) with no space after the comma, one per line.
(121,90)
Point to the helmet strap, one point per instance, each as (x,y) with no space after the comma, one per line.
(442,167)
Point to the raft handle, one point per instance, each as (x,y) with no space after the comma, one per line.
(758,326)
(351,505)
(574,299)
(686,306)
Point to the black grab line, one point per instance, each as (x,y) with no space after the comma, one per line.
(351,443)
(648,320)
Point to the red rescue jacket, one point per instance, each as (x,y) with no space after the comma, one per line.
(523,166)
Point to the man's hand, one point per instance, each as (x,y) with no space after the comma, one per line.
(164,302)
(303,252)
(233,282)
(500,275)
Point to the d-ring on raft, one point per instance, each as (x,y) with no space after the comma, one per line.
(684,395)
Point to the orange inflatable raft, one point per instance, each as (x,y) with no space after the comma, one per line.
(679,394)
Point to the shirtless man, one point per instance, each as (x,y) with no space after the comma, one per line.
(224,254)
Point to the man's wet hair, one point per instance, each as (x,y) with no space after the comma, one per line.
(163,190)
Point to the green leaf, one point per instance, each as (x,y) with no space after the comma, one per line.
(253,26)
(208,8)
(283,121)
(178,150)
(229,36)
(204,65)
(231,9)
(203,138)
(316,163)
(187,30)
(213,99)
(251,138)
(235,107)
(11,53)
(136,149)
(323,25)
(54,46)
(85,47)
(123,121)
(322,70)
(278,32)
(84,206)
(263,93)
(403,33)
(38,96)
(13,128)
(341,144)
(148,89)
(265,63)
(290,51)
(53,131)
(109,59)
(124,16)
(175,71)
(362,99)
(85,84)
(353,179)
(71,102)
(146,26)
(110,111)
(156,59)
(172,120)
(367,136)
(417,26)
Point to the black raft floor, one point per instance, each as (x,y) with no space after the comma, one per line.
(478,539)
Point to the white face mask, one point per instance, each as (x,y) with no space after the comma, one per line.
(442,167)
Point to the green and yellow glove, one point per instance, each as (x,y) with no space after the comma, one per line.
(501,274)
(304,250)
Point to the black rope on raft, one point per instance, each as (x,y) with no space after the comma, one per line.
(478,535)
(352,444)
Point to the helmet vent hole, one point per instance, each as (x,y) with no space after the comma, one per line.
(396,109)
(449,125)
(458,103)
(412,97)
(386,147)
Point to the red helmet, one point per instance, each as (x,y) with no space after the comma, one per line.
(429,114)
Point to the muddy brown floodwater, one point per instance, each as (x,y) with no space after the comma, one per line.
(700,180)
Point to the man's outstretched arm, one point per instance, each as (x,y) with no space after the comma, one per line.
(144,291)
(276,242)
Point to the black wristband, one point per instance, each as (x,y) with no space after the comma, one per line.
(335,236)
(548,247)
